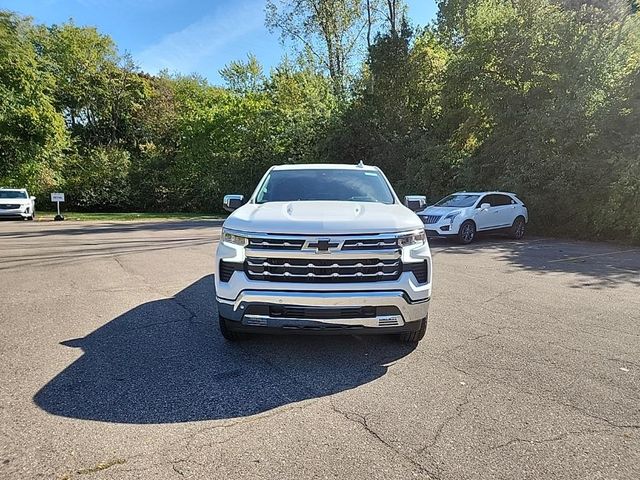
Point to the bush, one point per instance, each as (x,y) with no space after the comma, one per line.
(98,180)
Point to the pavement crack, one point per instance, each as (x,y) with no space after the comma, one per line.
(192,314)
(586,413)
(175,468)
(362,421)
(456,414)
(535,441)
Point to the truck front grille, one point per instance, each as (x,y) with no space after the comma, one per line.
(276,243)
(312,270)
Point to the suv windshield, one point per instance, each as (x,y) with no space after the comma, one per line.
(325,184)
(459,201)
(12,194)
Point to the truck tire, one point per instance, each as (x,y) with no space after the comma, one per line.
(415,337)
(226,332)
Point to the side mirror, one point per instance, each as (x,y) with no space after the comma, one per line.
(232,202)
(485,206)
(33,198)
(415,202)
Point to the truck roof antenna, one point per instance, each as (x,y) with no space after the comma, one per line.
(360,164)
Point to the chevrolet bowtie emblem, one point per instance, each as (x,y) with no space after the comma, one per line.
(323,245)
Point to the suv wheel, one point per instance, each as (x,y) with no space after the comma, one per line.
(518,228)
(415,337)
(228,333)
(467,232)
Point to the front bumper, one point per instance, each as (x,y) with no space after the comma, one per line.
(441,228)
(14,213)
(389,306)
(391,311)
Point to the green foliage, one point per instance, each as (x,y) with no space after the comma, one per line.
(243,77)
(98,180)
(329,30)
(32,133)
(533,85)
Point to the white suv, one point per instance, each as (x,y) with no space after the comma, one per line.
(323,249)
(16,202)
(462,214)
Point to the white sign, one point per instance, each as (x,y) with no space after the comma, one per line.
(57,197)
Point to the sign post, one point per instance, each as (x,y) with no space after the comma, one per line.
(58,197)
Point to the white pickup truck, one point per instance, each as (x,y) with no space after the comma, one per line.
(323,249)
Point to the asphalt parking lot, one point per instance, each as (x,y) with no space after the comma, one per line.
(112,367)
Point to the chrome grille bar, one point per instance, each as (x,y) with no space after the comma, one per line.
(318,275)
(322,270)
(339,254)
(252,262)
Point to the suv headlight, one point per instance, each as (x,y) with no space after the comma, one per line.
(235,238)
(451,216)
(413,238)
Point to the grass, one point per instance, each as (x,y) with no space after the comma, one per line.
(107,217)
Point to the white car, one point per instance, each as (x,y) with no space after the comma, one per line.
(16,203)
(323,249)
(463,214)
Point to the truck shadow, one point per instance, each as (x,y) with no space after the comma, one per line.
(164,361)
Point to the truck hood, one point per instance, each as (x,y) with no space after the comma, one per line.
(322,218)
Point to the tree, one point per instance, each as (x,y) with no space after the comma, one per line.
(32,134)
(243,77)
(331,30)
(98,91)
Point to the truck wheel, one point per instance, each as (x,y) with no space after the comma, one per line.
(228,333)
(415,337)
(518,228)
(467,232)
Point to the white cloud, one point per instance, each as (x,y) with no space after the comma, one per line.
(183,51)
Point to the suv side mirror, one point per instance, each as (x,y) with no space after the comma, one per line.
(33,198)
(232,202)
(415,202)
(485,206)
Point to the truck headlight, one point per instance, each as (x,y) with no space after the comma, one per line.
(235,238)
(413,238)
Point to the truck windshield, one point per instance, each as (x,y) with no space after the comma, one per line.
(12,194)
(458,201)
(325,184)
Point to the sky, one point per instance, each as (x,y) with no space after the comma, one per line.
(188,36)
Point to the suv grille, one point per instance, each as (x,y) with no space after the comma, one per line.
(8,206)
(431,218)
(322,270)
